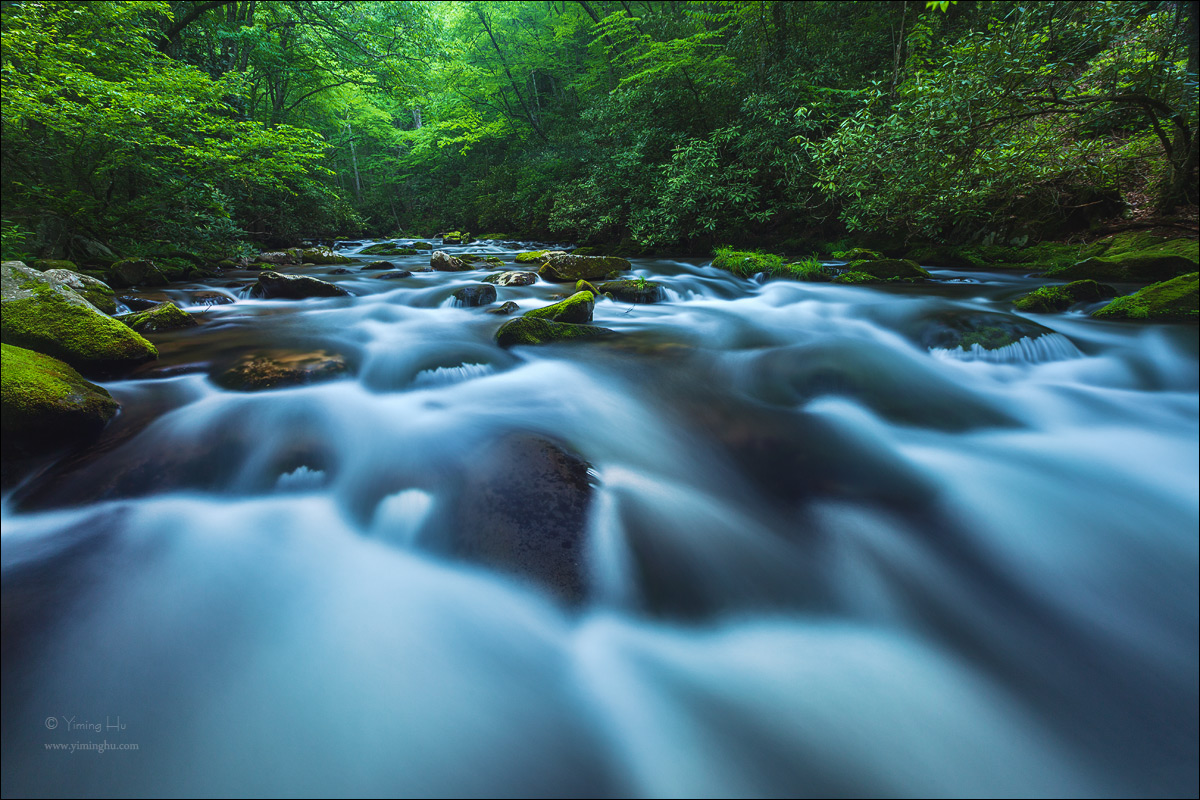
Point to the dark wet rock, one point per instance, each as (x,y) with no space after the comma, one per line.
(441,261)
(162,317)
(379,265)
(480,294)
(642,291)
(577,308)
(504,309)
(1133,256)
(48,317)
(1169,301)
(962,329)
(523,510)
(144,300)
(273,285)
(422,246)
(388,249)
(135,272)
(44,264)
(1059,298)
(512,278)
(277,369)
(395,274)
(568,269)
(94,290)
(209,299)
(46,403)
(885,269)
(531,330)
(341,271)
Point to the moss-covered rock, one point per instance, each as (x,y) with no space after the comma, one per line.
(162,317)
(568,269)
(279,258)
(746,263)
(538,256)
(633,291)
(576,308)
(441,261)
(456,237)
(494,237)
(277,369)
(44,264)
(512,278)
(393,275)
(889,269)
(389,249)
(323,256)
(1048,299)
(481,294)
(272,285)
(856,277)
(379,265)
(94,290)
(422,246)
(136,272)
(962,329)
(1169,301)
(858,254)
(809,271)
(46,403)
(1133,267)
(52,318)
(504,309)
(532,330)
(943,256)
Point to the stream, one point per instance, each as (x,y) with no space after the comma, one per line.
(819,554)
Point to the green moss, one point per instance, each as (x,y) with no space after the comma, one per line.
(159,318)
(568,268)
(1136,267)
(494,237)
(855,277)
(632,291)
(48,321)
(531,330)
(536,255)
(44,264)
(576,308)
(388,249)
(889,269)
(95,291)
(1140,242)
(1048,299)
(746,263)
(858,254)
(810,270)
(422,246)
(1169,301)
(987,338)
(46,402)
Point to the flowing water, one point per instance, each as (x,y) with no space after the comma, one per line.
(819,557)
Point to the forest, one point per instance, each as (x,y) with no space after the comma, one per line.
(668,125)
(599,398)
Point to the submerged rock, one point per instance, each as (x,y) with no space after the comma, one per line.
(1175,300)
(379,265)
(636,291)
(524,511)
(1048,299)
(576,308)
(136,272)
(480,294)
(441,261)
(884,269)
(512,278)
(209,299)
(531,330)
(393,275)
(991,331)
(278,369)
(48,317)
(273,285)
(94,290)
(569,269)
(162,317)
(504,309)
(46,403)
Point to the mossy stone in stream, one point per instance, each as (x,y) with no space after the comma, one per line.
(1048,299)
(633,291)
(568,269)
(481,294)
(94,290)
(273,285)
(884,269)
(1169,301)
(279,369)
(512,278)
(577,308)
(162,317)
(531,330)
(537,256)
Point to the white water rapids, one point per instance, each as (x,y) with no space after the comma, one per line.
(821,557)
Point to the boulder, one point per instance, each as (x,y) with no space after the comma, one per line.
(277,369)
(885,269)
(504,309)
(442,261)
(136,272)
(568,269)
(512,278)
(44,264)
(456,237)
(145,300)
(388,249)
(1169,301)
(523,510)
(54,319)
(209,299)
(162,317)
(279,257)
(532,330)
(639,291)
(341,271)
(577,308)
(962,329)
(323,256)
(46,403)
(1133,267)
(538,256)
(379,265)
(422,246)
(1048,299)
(393,275)
(481,294)
(94,290)
(272,285)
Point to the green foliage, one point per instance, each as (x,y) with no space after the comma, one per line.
(1175,300)
(747,264)
(14,241)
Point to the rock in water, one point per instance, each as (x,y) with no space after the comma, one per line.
(633,291)
(279,369)
(531,330)
(136,271)
(478,295)
(524,511)
(512,278)
(442,261)
(94,290)
(162,317)
(379,265)
(1169,301)
(51,318)
(568,269)
(504,309)
(577,308)
(46,403)
(294,287)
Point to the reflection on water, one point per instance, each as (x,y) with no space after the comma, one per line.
(819,557)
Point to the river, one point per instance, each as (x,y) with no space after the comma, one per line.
(818,556)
